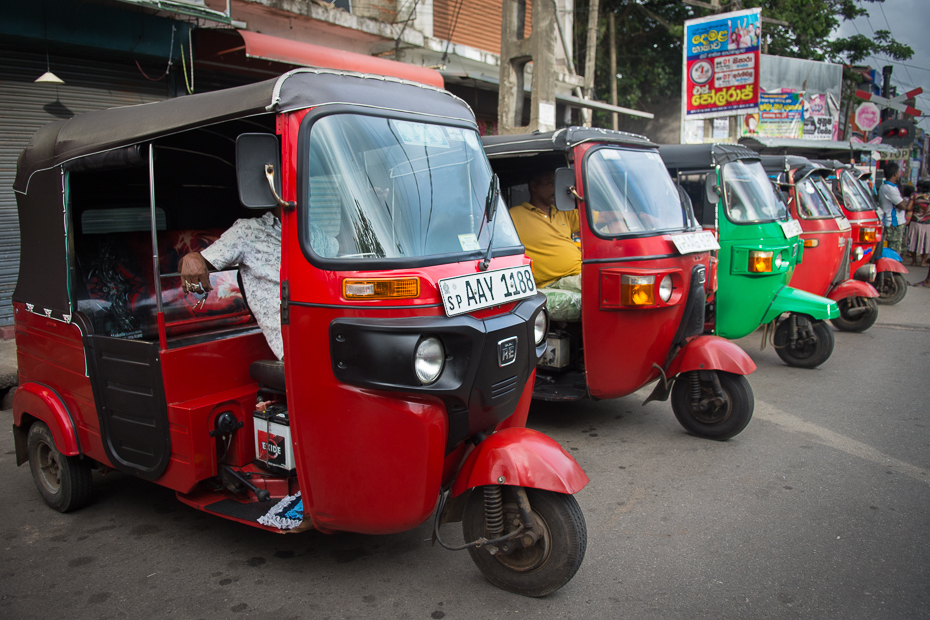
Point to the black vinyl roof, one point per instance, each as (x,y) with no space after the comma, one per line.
(562,140)
(701,156)
(103,130)
(802,166)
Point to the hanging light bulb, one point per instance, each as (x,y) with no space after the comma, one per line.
(49,78)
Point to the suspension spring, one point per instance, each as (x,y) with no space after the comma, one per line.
(792,328)
(694,382)
(494,510)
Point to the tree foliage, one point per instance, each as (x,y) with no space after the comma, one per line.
(649,38)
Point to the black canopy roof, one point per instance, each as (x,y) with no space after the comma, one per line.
(562,140)
(802,166)
(702,156)
(103,130)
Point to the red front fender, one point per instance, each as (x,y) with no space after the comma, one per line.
(44,403)
(889,264)
(521,457)
(852,288)
(711,353)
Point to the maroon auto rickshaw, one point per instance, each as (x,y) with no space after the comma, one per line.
(411,324)
(828,242)
(645,264)
(867,263)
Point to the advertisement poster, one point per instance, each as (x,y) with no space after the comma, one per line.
(821,115)
(780,116)
(721,64)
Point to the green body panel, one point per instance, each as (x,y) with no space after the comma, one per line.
(795,300)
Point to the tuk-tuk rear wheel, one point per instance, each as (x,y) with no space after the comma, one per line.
(860,322)
(714,421)
(64,482)
(539,569)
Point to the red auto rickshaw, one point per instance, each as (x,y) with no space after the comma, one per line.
(867,263)
(828,242)
(411,325)
(645,263)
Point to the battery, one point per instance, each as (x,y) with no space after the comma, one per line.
(273,447)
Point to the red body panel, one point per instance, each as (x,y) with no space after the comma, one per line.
(852,288)
(522,457)
(43,403)
(859,220)
(711,353)
(890,264)
(622,344)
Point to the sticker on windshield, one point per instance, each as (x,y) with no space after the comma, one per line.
(469,242)
(472,140)
(420,134)
(791,228)
(611,154)
(454,134)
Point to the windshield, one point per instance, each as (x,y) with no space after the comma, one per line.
(631,192)
(387,188)
(749,194)
(854,197)
(814,203)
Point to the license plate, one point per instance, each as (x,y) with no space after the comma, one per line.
(791,228)
(695,242)
(475,291)
(843,223)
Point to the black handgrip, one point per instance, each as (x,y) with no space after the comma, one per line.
(263,495)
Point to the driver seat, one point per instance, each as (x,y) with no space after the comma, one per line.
(268,373)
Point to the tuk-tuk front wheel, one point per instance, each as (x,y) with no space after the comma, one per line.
(803,343)
(892,287)
(523,566)
(65,482)
(857,316)
(711,409)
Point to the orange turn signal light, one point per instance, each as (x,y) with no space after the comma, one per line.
(388,288)
(637,290)
(811,243)
(760,262)
(867,235)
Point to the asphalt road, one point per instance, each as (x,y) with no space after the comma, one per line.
(819,509)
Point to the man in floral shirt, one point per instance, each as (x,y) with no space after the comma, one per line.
(255,245)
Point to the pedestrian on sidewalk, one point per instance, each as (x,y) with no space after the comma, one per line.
(893,208)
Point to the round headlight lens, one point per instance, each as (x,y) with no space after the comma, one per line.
(858,253)
(429,360)
(540,326)
(779,261)
(665,288)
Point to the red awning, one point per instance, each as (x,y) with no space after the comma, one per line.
(276,49)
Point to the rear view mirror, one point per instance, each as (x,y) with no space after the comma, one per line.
(711,189)
(258,170)
(565,189)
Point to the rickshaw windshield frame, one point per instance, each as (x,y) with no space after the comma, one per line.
(755,185)
(636,198)
(397,201)
(853,194)
(819,185)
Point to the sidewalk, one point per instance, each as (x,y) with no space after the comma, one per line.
(8,376)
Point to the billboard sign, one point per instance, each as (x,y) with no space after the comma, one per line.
(721,64)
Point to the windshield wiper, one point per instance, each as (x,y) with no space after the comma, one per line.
(490,208)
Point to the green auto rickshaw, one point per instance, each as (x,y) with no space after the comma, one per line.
(759,247)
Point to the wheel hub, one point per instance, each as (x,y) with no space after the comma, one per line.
(49,468)
(514,555)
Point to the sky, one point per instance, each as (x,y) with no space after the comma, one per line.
(909,22)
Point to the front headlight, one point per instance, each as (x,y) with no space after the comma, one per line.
(760,261)
(540,326)
(428,360)
(665,288)
(858,253)
(780,261)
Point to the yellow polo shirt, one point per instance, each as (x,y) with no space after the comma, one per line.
(548,241)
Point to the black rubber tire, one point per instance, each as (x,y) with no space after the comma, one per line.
(857,323)
(550,563)
(807,356)
(892,288)
(65,482)
(722,423)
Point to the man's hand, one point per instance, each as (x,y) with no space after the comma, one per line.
(195,274)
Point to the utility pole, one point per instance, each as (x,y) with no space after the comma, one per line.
(886,90)
(612,28)
(589,57)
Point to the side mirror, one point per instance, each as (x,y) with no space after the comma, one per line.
(258,171)
(565,189)
(711,189)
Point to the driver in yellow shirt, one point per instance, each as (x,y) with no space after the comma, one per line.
(546,234)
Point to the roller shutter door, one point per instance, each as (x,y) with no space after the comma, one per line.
(90,84)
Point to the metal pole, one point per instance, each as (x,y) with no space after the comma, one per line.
(590,54)
(155,261)
(612,28)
